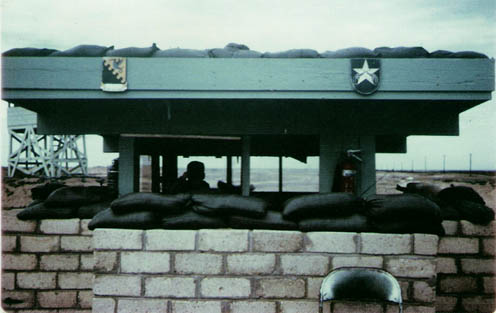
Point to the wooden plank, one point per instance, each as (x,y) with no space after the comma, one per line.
(152,74)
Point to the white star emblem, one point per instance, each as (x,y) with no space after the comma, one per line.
(365,73)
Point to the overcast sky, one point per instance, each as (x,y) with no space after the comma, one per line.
(265,25)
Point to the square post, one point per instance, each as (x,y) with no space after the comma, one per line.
(128,166)
(328,159)
(245,166)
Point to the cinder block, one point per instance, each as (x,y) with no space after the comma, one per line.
(458,245)
(446,266)
(198,263)
(483,304)
(103,305)
(446,303)
(36,280)
(231,240)
(76,243)
(8,281)
(57,299)
(346,307)
(457,284)
(253,307)
(360,260)
(84,227)
(168,240)
(372,243)
(39,243)
(105,261)
(251,264)
(118,285)
(117,239)
(25,299)
(10,222)
(299,306)
(76,280)
(59,262)
(470,229)
(489,246)
(145,262)
(9,243)
(331,242)
(181,287)
(313,287)
(277,241)
(422,292)
(477,266)
(60,226)
(425,244)
(85,299)
(489,284)
(280,288)
(18,261)
(141,305)
(196,306)
(412,308)
(450,227)
(411,267)
(87,261)
(304,264)
(225,287)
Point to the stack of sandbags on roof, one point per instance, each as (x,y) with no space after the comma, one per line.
(66,202)
(327,212)
(404,213)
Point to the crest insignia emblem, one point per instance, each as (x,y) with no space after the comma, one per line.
(114,74)
(365,75)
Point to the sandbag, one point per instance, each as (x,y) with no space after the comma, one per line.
(83,51)
(474,212)
(449,213)
(162,204)
(272,220)
(293,53)
(41,211)
(133,220)
(322,205)
(192,220)
(220,205)
(440,54)
(407,226)
(90,210)
(247,54)
(429,191)
(354,52)
(454,194)
(42,192)
(403,207)
(77,196)
(180,53)
(353,223)
(468,55)
(401,52)
(133,52)
(28,52)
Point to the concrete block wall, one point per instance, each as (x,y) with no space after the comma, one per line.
(266,271)
(47,266)
(466,281)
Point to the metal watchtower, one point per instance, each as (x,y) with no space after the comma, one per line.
(42,155)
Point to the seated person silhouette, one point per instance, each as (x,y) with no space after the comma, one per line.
(192,180)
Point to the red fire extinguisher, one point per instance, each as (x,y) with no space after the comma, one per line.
(347,172)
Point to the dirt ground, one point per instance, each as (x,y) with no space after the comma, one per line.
(16,192)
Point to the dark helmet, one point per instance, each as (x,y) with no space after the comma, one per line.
(196,170)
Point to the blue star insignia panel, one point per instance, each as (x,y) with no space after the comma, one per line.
(365,75)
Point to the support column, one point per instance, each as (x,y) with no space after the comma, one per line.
(328,158)
(229,170)
(367,173)
(128,166)
(280,173)
(155,173)
(169,170)
(245,166)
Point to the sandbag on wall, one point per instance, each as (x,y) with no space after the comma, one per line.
(192,220)
(353,223)
(132,220)
(454,194)
(401,52)
(163,204)
(322,205)
(77,196)
(429,191)
(28,52)
(402,207)
(41,211)
(272,220)
(83,51)
(42,192)
(406,226)
(474,212)
(354,52)
(180,53)
(217,205)
(133,52)
(293,53)
(90,210)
